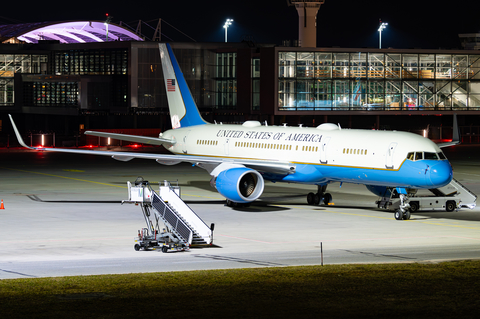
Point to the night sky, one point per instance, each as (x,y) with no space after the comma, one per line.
(412,23)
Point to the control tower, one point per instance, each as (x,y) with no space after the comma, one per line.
(307,20)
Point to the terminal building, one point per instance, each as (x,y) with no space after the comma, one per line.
(69,76)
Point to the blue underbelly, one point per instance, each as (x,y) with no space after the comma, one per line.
(420,174)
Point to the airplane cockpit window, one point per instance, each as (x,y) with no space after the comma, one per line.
(417,156)
(430,156)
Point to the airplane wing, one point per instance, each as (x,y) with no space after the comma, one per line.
(134,138)
(206,162)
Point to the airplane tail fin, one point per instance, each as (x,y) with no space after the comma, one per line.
(183,110)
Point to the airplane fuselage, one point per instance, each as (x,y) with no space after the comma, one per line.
(324,154)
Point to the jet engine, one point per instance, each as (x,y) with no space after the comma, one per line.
(240,184)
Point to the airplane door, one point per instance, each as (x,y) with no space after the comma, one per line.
(226,146)
(389,157)
(323,150)
(184,146)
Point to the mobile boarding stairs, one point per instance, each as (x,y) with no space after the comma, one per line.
(183,228)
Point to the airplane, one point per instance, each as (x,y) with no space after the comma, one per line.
(240,158)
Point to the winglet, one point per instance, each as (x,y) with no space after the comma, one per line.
(19,137)
(455,134)
(456,131)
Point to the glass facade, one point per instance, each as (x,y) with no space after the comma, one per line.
(151,88)
(378,81)
(62,94)
(226,80)
(256,84)
(198,68)
(17,63)
(91,62)
(101,94)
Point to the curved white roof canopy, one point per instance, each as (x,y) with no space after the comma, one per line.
(79,32)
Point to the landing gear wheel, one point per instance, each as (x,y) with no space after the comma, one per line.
(136,247)
(327,199)
(310,198)
(316,199)
(450,206)
(413,207)
(164,249)
(398,214)
(406,215)
(231,203)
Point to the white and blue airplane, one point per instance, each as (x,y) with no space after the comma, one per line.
(240,158)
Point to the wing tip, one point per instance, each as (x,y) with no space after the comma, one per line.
(17,134)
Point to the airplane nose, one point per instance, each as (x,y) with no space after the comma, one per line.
(441,174)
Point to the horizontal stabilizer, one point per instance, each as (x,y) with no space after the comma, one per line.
(134,138)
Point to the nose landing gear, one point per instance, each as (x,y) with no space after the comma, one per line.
(403,211)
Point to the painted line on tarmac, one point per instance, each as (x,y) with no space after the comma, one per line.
(65,177)
(87,181)
(65,240)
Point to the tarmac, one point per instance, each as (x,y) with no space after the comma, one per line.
(63,216)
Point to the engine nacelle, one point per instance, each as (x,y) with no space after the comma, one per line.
(240,184)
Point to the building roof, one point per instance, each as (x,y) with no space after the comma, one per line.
(67,32)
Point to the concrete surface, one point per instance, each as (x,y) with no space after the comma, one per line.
(63,217)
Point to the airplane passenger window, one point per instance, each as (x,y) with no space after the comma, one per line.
(430,156)
(418,156)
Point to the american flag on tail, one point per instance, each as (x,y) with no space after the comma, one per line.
(171,85)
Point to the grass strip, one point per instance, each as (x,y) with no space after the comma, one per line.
(443,290)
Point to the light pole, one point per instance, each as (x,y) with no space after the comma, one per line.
(382,26)
(107,21)
(226,25)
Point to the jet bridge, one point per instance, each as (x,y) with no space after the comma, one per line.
(183,228)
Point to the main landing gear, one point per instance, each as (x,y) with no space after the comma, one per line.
(319,197)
